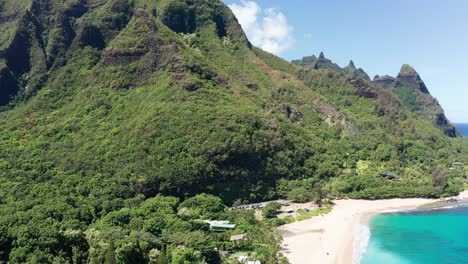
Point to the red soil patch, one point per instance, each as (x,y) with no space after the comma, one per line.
(265,67)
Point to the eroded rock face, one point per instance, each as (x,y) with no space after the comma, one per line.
(415,96)
(89,35)
(322,62)
(408,87)
(364,89)
(294,115)
(44,33)
(409,74)
(24,54)
(76,10)
(385,80)
(118,57)
(354,73)
(448,128)
(180,17)
(8,86)
(147,55)
(140,27)
(183,16)
(306,61)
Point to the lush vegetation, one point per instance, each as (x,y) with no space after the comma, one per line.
(130,113)
(155,230)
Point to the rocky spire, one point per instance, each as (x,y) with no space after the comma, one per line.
(351,64)
(321,56)
(407,70)
(409,75)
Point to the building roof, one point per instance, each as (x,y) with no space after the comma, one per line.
(250,206)
(219,224)
(237,237)
(386,175)
(245,260)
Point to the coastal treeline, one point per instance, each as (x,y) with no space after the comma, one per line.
(161,229)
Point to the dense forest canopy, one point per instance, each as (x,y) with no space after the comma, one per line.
(125,123)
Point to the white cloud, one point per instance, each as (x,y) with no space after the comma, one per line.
(267,29)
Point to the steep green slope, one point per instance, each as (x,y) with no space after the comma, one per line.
(120,102)
(408,86)
(416,97)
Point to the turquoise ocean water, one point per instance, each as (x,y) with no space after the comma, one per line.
(437,236)
(463,128)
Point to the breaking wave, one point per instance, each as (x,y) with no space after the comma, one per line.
(361,240)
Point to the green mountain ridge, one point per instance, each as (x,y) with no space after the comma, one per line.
(408,85)
(118,114)
(321,62)
(414,95)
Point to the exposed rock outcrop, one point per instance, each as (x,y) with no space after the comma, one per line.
(8,85)
(385,80)
(322,62)
(409,75)
(354,73)
(407,86)
(415,96)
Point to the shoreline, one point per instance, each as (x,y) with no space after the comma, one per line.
(330,238)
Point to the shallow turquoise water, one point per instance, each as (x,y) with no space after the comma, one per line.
(435,236)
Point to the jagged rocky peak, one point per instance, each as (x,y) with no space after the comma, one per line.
(317,63)
(409,75)
(360,73)
(355,73)
(321,62)
(407,70)
(313,61)
(415,96)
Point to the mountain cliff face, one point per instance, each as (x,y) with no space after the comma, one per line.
(111,105)
(408,85)
(415,96)
(39,35)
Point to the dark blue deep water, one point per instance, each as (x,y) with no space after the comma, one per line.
(463,128)
(429,237)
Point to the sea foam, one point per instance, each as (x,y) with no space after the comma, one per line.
(361,240)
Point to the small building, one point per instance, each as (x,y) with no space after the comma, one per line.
(239,237)
(256,206)
(220,226)
(250,206)
(247,260)
(387,175)
(457,164)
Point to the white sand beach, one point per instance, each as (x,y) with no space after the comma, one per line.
(329,238)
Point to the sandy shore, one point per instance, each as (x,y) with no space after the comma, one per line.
(329,238)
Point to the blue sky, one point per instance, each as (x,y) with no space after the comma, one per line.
(378,35)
